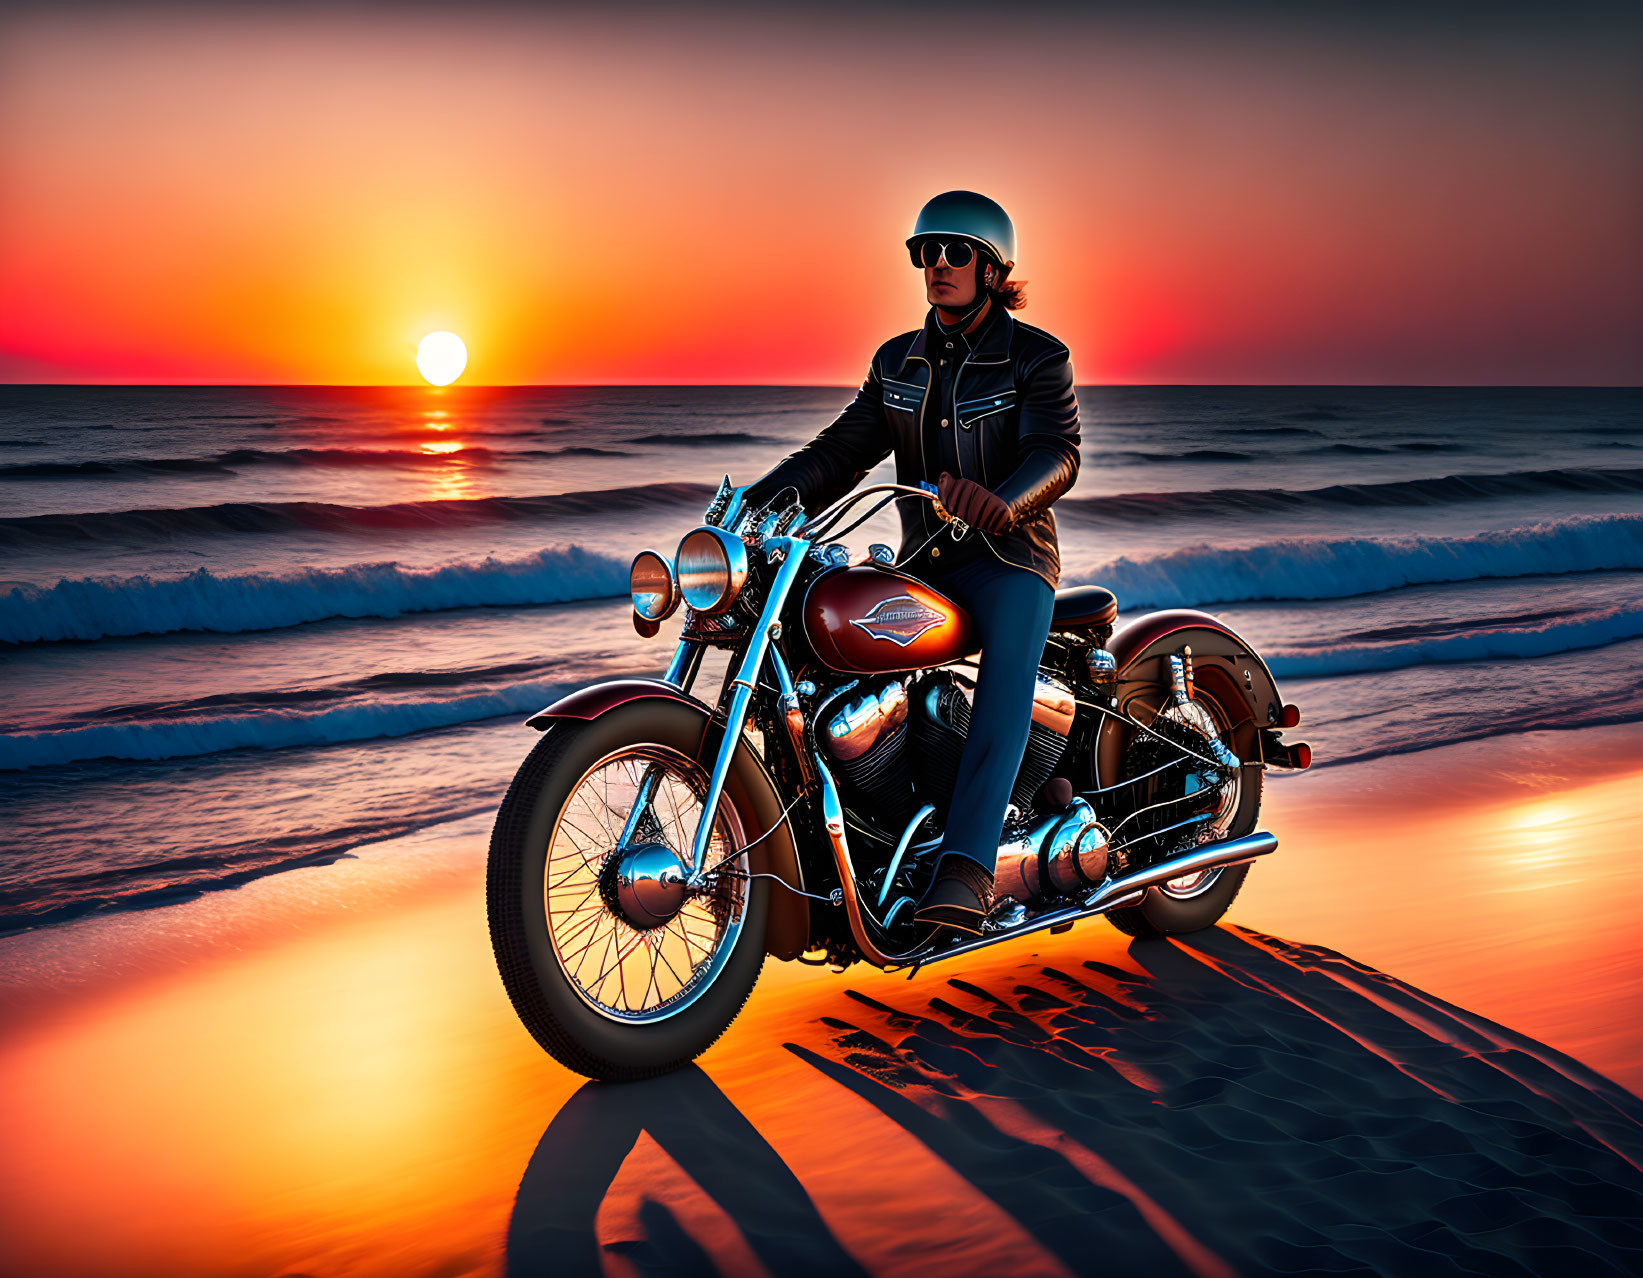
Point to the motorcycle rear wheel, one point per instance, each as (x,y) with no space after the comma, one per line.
(570,962)
(1201,900)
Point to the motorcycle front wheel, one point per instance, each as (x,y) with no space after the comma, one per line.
(616,971)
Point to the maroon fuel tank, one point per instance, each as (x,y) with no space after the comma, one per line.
(871,620)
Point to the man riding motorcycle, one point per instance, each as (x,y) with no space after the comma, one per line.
(982,405)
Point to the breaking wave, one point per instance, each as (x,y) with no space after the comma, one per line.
(1261,428)
(225,463)
(1406,446)
(95,608)
(396,704)
(1185,455)
(391,705)
(139,526)
(701,438)
(127,466)
(272,728)
(236,459)
(1154,507)
(1335,569)
(1565,634)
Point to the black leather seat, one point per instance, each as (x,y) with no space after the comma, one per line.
(1077,607)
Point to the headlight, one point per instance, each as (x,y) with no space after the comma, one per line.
(650,581)
(712,568)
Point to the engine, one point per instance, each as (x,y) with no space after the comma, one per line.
(897,746)
(941,721)
(867,737)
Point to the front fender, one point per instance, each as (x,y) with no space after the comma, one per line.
(1223,663)
(597,698)
(787,933)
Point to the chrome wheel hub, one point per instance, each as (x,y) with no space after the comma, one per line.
(645,884)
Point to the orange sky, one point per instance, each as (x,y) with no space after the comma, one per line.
(684,195)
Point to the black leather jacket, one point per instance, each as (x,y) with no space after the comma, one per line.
(1012,427)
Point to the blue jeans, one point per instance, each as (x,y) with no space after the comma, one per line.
(1011,609)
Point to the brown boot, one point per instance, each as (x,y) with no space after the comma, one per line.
(961,895)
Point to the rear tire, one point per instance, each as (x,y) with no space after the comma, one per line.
(1161,915)
(559,1013)
(1163,912)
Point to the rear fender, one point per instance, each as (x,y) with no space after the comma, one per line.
(1223,664)
(787,933)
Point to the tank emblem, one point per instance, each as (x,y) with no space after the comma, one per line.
(900,619)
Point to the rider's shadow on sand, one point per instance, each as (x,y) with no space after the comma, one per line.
(1244,1105)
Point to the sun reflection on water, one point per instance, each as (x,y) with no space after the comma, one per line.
(452,481)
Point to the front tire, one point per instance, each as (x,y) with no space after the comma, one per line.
(606,999)
(1200,900)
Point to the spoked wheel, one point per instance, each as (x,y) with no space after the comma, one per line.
(616,966)
(1197,900)
(634,945)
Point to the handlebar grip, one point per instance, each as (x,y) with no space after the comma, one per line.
(942,512)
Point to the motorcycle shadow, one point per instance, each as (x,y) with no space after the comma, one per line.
(552,1230)
(1241,1104)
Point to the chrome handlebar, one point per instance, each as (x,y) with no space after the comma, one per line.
(816,527)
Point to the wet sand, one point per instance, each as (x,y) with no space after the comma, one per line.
(319,1074)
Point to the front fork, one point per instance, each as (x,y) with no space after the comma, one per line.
(681,672)
(683,667)
(687,660)
(791,551)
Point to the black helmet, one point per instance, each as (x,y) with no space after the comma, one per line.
(975,217)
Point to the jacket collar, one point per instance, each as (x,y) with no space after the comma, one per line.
(992,344)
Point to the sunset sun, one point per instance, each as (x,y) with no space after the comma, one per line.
(441,357)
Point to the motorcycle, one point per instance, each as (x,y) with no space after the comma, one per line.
(654,847)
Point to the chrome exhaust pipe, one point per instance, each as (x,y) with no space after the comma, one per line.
(1122,891)
(1208,857)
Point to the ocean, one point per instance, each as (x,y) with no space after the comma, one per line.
(249,628)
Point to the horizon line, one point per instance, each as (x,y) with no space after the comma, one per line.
(803,386)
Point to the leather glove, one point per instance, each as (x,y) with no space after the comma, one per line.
(1043,474)
(977,506)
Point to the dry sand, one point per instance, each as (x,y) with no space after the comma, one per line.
(319,1074)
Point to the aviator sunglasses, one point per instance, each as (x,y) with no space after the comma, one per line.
(929,253)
